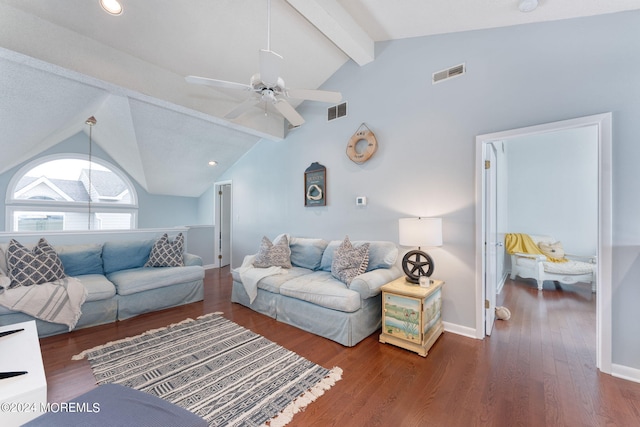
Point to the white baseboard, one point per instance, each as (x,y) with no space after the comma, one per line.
(210,266)
(625,372)
(465,331)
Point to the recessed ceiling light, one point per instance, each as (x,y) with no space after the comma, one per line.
(213,163)
(112,7)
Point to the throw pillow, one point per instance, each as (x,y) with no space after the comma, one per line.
(349,262)
(553,251)
(165,253)
(40,265)
(273,255)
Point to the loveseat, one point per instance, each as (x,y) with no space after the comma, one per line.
(118,285)
(308,296)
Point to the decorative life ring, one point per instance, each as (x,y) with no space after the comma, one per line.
(314,192)
(372,146)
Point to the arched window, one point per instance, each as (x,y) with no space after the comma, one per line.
(69,192)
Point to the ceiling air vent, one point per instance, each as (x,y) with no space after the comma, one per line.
(337,111)
(449,73)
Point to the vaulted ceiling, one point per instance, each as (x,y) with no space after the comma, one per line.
(66,60)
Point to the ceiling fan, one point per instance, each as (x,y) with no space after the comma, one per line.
(268,87)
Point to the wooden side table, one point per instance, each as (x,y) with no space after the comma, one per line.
(411,315)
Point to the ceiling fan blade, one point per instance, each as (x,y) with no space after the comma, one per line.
(315,95)
(216,83)
(269,67)
(288,112)
(241,108)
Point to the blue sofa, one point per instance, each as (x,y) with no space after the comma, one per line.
(308,297)
(118,285)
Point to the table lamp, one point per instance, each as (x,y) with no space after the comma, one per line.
(416,264)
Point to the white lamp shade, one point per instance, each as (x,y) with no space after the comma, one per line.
(420,231)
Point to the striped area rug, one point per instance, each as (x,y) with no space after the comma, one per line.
(215,368)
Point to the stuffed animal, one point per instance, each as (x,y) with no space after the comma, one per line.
(503,313)
(554,251)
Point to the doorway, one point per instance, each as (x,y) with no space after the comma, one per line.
(602,122)
(222,221)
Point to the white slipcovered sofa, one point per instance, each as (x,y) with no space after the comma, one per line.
(309,297)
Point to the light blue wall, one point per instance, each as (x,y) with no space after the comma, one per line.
(552,187)
(516,77)
(206,206)
(153,211)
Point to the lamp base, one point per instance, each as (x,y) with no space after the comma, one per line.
(416,264)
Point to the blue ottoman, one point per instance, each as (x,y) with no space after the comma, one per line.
(118,406)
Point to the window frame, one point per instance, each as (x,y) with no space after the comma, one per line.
(36,205)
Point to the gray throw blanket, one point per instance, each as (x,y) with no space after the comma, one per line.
(59,301)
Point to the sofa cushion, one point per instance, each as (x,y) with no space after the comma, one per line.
(348,262)
(320,288)
(144,278)
(33,267)
(307,253)
(382,254)
(118,256)
(81,259)
(165,253)
(272,283)
(98,287)
(276,254)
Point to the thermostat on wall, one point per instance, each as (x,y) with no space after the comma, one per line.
(361,201)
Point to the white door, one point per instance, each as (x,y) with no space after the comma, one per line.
(491,235)
(224,227)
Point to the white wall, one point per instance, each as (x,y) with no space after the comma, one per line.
(552,187)
(516,77)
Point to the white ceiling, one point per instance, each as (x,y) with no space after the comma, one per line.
(65,60)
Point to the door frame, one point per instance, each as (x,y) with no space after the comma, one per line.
(603,122)
(216,220)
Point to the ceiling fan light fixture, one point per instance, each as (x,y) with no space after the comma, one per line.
(528,5)
(112,7)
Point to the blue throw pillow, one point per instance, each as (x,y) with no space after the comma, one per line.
(307,253)
(117,256)
(81,259)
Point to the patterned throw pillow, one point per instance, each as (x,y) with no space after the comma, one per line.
(348,262)
(167,254)
(273,255)
(40,265)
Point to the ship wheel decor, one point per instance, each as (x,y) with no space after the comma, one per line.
(420,232)
(415,264)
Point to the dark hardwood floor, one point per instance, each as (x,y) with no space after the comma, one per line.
(537,369)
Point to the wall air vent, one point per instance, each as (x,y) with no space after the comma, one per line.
(449,73)
(336,111)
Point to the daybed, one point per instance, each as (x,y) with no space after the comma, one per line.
(542,258)
(309,297)
(118,285)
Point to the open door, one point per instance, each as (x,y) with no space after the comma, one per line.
(491,235)
(603,124)
(224,225)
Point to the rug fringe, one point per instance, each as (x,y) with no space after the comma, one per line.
(307,398)
(84,353)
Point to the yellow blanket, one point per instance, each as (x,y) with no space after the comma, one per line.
(523,243)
